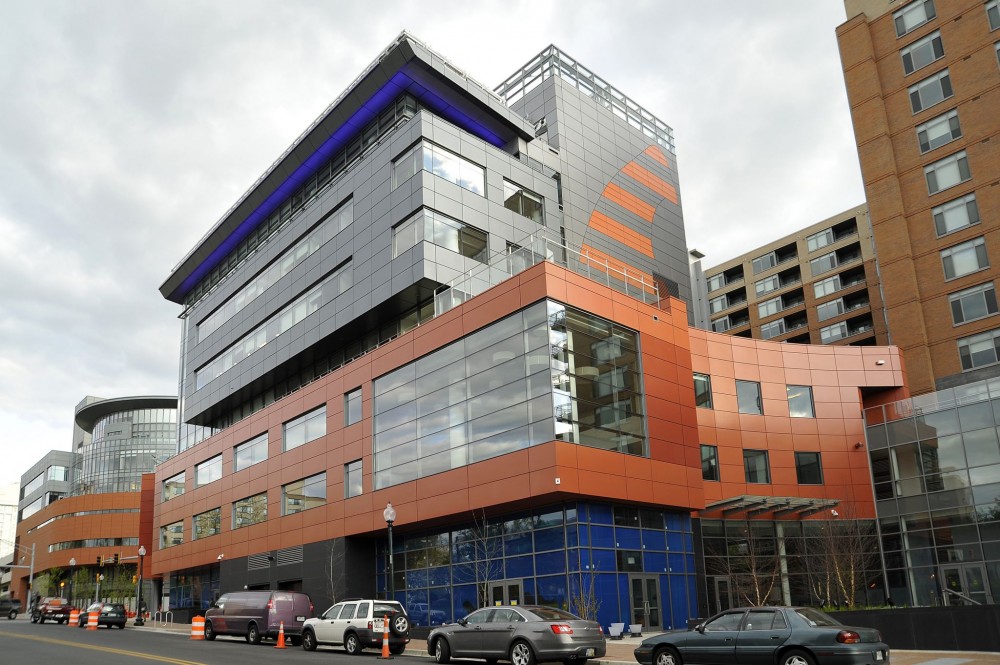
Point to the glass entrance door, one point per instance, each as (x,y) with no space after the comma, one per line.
(506,592)
(644,594)
(720,596)
(965,581)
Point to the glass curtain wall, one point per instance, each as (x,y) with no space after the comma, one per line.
(123,447)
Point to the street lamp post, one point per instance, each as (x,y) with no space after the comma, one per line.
(97,596)
(390,516)
(72,574)
(139,608)
(30,566)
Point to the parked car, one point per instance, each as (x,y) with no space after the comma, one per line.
(51,608)
(780,635)
(9,607)
(108,614)
(357,624)
(522,634)
(258,614)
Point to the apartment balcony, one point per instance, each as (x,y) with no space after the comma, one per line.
(726,278)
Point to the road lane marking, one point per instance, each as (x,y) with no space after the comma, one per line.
(121,652)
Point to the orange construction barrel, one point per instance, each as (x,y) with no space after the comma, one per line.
(198,628)
(91,620)
(74,618)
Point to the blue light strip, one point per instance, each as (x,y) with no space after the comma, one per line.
(387,94)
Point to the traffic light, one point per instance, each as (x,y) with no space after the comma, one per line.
(135,578)
(100,560)
(115,559)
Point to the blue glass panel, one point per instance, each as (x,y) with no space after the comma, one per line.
(548,518)
(600,513)
(465,600)
(688,542)
(519,543)
(572,536)
(550,563)
(679,597)
(675,563)
(464,572)
(551,590)
(602,536)
(603,560)
(440,576)
(573,557)
(654,540)
(549,539)
(380,584)
(528,587)
(654,562)
(440,606)
(606,587)
(570,514)
(624,611)
(669,622)
(677,522)
(463,551)
(689,559)
(628,539)
(675,542)
(583,531)
(416,606)
(519,566)
(416,579)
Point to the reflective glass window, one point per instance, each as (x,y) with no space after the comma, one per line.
(208,471)
(800,402)
(171,534)
(249,453)
(251,510)
(307,427)
(748,397)
(173,486)
(702,390)
(303,494)
(206,524)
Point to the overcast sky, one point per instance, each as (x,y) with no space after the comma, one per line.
(127,128)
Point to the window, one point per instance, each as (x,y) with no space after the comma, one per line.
(768,284)
(303,494)
(205,524)
(440,162)
(922,52)
(433,227)
(913,16)
(979,350)
(827,286)
(755,466)
(828,310)
(33,485)
(251,510)
(173,486)
(769,307)
(748,397)
(721,325)
(965,258)
(250,453)
(818,240)
(522,201)
(208,471)
(939,131)
(703,390)
(800,401)
(709,462)
(833,333)
(930,91)
(993,14)
(716,282)
(773,329)
(718,304)
(766,262)
(307,427)
(956,215)
(947,172)
(824,263)
(352,407)
(975,303)
(171,534)
(352,479)
(808,469)
(58,473)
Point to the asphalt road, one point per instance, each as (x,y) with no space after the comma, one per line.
(22,642)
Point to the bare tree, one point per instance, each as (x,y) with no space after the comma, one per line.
(848,548)
(752,566)
(333,570)
(487,554)
(583,598)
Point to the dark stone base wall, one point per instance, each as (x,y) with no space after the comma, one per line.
(975,628)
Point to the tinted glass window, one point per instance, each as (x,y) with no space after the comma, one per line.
(729,621)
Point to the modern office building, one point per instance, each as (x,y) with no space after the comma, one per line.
(923,83)
(819,285)
(99,492)
(472,307)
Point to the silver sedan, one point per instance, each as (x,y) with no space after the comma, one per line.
(522,634)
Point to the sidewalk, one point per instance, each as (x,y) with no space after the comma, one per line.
(619,652)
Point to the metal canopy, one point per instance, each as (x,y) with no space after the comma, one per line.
(752,505)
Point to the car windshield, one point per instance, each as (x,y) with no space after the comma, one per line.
(96,607)
(815,617)
(552,614)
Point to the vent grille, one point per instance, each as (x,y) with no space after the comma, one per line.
(258,561)
(290,555)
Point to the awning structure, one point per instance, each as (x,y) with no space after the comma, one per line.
(749,506)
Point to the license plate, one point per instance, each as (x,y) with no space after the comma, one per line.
(300,618)
(378,625)
(589,653)
(879,656)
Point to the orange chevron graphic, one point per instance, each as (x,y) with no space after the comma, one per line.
(623,234)
(651,180)
(629,201)
(657,154)
(601,261)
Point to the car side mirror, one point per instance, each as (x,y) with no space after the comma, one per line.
(700,628)
(462,622)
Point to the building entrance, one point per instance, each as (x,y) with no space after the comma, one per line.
(963,582)
(506,592)
(644,597)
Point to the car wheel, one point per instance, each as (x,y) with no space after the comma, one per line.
(796,657)
(308,641)
(521,654)
(12,615)
(399,625)
(209,631)
(442,652)
(253,634)
(41,619)
(351,644)
(397,649)
(667,656)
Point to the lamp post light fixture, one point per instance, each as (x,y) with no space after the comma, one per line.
(140,608)
(72,574)
(97,595)
(390,516)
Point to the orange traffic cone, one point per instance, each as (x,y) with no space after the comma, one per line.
(385,638)
(281,636)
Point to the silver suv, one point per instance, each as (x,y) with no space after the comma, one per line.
(357,624)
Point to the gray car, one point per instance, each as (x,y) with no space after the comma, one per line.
(522,634)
